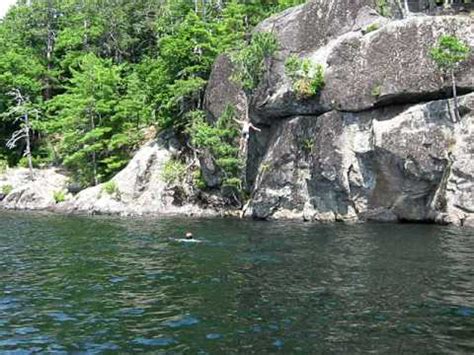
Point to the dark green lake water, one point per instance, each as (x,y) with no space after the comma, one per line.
(107,284)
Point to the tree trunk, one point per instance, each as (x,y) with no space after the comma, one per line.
(455,97)
(50,39)
(406,8)
(94,156)
(244,145)
(85,26)
(28,146)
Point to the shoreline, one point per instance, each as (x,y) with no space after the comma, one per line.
(171,215)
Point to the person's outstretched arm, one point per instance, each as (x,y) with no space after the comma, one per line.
(255,128)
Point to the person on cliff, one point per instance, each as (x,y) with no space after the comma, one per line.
(246,126)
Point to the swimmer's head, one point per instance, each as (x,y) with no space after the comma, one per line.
(189,235)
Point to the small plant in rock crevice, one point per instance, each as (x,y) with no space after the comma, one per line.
(371,28)
(307,77)
(265,167)
(376,91)
(173,172)
(383,7)
(59,196)
(7,189)
(3,166)
(307,145)
(111,189)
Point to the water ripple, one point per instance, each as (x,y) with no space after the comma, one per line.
(72,284)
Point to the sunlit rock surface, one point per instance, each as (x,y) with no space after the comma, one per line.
(379,141)
(140,188)
(32,194)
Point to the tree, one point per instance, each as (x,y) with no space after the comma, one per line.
(101,71)
(448,54)
(21,114)
(85,115)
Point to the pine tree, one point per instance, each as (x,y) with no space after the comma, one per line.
(84,115)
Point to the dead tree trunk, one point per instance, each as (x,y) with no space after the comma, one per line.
(455,97)
(21,112)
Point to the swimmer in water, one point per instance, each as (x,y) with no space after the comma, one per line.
(188,238)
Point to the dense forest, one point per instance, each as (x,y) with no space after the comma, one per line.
(95,79)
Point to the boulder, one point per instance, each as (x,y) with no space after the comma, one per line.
(387,66)
(36,194)
(140,189)
(210,171)
(393,65)
(305,28)
(302,29)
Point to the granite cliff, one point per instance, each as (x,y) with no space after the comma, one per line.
(378,142)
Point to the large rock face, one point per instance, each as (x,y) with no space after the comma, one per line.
(393,65)
(313,25)
(223,91)
(378,142)
(408,164)
(140,188)
(390,65)
(36,194)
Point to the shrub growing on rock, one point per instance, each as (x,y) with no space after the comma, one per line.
(307,77)
(110,188)
(3,166)
(173,172)
(376,91)
(221,141)
(59,196)
(7,189)
(383,7)
(371,28)
(448,54)
(250,60)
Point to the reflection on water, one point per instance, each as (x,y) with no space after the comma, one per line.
(108,284)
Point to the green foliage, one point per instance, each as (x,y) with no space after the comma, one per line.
(23,162)
(307,78)
(174,172)
(7,189)
(111,188)
(250,60)
(59,196)
(449,52)
(198,180)
(376,91)
(371,28)
(307,145)
(98,129)
(99,72)
(233,182)
(221,141)
(265,168)
(383,7)
(3,165)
